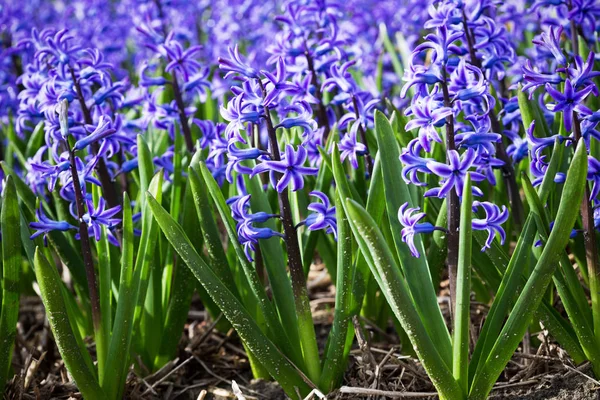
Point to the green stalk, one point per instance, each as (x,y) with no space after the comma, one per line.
(118,351)
(306,328)
(105,293)
(460,345)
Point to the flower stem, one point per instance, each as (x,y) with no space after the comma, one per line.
(591,248)
(185,127)
(86,248)
(323,119)
(453,203)
(587,216)
(108,186)
(508,171)
(306,328)
(363,136)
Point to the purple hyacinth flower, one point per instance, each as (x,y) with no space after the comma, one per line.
(350,147)
(593,176)
(429,114)
(45,225)
(414,163)
(180,60)
(534,79)
(248,234)
(420,76)
(100,131)
(236,156)
(537,145)
(454,173)
(551,42)
(494,218)
(519,147)
(97,217)
(583,73)
(291,166)
(480,138)
(276,83)
(412,226)
(239,210)
(567,101)
(323,216)
(340,78)
(236,65)
(303,119)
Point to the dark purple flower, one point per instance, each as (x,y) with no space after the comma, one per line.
(480,138)
(100,132)
(551,41)
(303,118)
(180,60)
(582,74)
(593,176)
(248,234)
(236,156)
(536,79)
(97,217)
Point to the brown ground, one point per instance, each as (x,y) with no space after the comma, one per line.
(209,360)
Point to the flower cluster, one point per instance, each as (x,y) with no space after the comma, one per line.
(309,61)
(451,75)
(80,140)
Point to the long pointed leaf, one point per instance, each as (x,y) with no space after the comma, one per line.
(264,350)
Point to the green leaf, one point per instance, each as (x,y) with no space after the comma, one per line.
(530,111)
(10,274)
(571,293)
(56,311)
(102,335)
(536,286)
(272,322)
(258,343)
(182,291)
(133,281)
(36,140)
(395,289)
(415,270)
(212,240)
